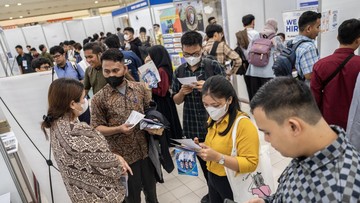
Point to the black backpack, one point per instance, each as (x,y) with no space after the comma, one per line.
(285,62)
(245,63)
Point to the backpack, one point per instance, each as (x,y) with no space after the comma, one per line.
(75,67)
(245,63)
(285,62)
(259,53)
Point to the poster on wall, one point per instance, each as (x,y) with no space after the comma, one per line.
(329,20)
(172,31)
(191,15)
(291,24)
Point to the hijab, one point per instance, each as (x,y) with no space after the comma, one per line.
(271,27)
(161,58)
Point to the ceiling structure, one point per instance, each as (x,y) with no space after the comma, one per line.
(15,9)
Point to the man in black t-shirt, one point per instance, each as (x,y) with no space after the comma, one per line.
(24,60)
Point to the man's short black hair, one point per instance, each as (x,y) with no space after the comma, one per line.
(349,31)
(285,97)
(108,34)
(28,46)
(211,18)
(156,25)
(211,29)
(191,38)
(36,63)
(94,47)
(142,29)
(95,36)
(18,47)
(78,46)
(246,20)
(57,49)
(112,42)
(102,34)
(118,29)
(281,35)
(41,47)
(308,18)
(33,49)
(129,29)
(85,41)
(112,55)
(72,42)
(66,42)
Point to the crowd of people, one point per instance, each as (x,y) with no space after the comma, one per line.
(94,146)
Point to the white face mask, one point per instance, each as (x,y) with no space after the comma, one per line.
(216,113)
(126,37)
(84,107)
(192,61)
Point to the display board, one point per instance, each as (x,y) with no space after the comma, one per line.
(34,36)
(54,34)
(108,24)
(15,37)
(76,30)
(345,10)
(140,18)
(20,93)
(93,25)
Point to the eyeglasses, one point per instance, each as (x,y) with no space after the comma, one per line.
(196,54)
(56,56)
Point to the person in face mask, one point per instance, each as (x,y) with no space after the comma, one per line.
(79,149)
(221,103)
(132,43)
(194,115)
(111,107)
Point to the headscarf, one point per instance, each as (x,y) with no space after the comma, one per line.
(161,58)
(271,27)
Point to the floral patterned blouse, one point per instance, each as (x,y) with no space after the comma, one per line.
(91,173)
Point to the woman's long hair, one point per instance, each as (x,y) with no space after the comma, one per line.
(161,58)
(61,93)
(219,87)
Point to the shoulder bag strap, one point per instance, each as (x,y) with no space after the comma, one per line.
(74,65)
(341,66)
(233,134)
(213,49)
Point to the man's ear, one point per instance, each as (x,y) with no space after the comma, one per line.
(295,126)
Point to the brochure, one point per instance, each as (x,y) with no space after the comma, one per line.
(150,74)
(134,118)
(186,162)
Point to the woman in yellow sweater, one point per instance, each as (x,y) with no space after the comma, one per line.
(222,104)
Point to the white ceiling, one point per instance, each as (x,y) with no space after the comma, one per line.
(30,8)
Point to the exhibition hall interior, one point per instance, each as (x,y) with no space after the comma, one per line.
(188,101)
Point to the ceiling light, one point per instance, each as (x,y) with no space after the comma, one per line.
(7,5)
(19,4)
(11,18)
(20,16)
(96,2)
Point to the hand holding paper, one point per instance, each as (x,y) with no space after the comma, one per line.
(189,144)
(134,118)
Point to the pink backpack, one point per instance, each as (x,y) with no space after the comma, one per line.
(259,53)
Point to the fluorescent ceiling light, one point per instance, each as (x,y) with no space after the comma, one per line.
(7,5)
(19,4)
(96,2)
(11,18)
(20,16)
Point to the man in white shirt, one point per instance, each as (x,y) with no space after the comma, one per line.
(249,24)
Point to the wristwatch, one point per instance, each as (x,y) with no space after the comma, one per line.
(222,160)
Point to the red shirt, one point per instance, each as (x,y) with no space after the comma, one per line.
(334,102)
(163,85)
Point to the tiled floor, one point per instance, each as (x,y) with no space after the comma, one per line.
(190,189)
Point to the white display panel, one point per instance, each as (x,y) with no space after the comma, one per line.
(140,18)
(76,31)
(108,24)
(34,36)
(346,10)
(15,37)
(26,97)
(93,25)
(54,33)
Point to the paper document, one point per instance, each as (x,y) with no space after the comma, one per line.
(188,80)
(134,118)
(150,74)
(188,143)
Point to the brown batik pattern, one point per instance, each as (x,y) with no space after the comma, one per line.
(91,173)
(111,108)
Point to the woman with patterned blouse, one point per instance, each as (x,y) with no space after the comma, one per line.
(91,173)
